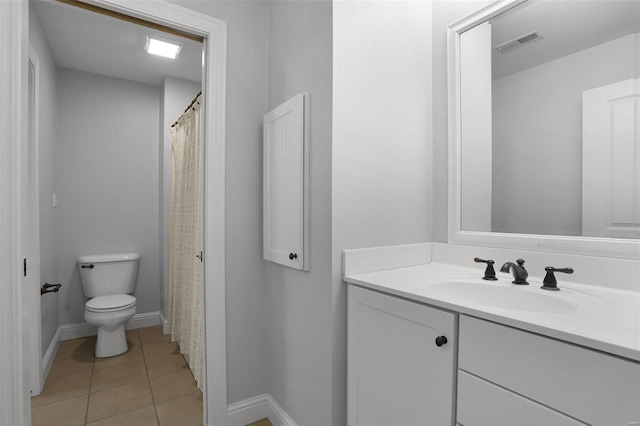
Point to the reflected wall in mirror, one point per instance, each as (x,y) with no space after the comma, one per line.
(549,120)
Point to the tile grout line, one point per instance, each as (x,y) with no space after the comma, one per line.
(94,370)
(53,379)
(119,365)
(153,398)
(63,399)
(170,399)
(93,367)
(91,386)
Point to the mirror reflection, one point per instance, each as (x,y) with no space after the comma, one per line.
(550,113)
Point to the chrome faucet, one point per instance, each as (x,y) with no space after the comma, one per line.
(519,273)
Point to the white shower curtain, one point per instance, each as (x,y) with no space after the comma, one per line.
(186,290)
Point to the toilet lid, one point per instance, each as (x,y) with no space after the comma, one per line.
(115,301)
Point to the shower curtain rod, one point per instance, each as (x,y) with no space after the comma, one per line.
(190,105)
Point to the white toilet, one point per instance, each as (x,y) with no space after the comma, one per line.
(109,280)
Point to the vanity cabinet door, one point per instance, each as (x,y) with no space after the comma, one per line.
(396,373)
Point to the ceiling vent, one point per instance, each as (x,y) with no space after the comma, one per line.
(518,42)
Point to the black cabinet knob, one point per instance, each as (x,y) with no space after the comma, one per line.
(293,256)
(441,340)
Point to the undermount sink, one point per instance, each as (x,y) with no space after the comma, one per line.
(500,296)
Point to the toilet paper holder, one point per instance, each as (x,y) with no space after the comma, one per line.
(50,288)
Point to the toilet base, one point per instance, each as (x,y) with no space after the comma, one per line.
(111,342)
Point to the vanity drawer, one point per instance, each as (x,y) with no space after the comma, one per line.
(590,386)
(481,403)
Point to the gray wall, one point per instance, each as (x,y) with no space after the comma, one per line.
(46,168)
(382,126)
(107,177)
(299,303)
(246,104)
(382,142)
(176,94)
(537,137)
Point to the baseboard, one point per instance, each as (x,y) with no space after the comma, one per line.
(82,329)
(49,356)
(280,417)
(165,324)
(257,408)
(148,319)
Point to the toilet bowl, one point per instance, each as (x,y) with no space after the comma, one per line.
(108,280)
(110,314)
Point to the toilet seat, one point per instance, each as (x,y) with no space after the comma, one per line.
(115,302)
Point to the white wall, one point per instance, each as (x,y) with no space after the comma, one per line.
(47,170)
(537,124)
(107,178)
(299,303)
(246,104)
(175,95)
(381,123)
(382,188)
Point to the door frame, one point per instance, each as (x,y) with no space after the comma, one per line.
(14,50)
(32,304)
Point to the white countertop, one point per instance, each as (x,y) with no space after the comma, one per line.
(595,317)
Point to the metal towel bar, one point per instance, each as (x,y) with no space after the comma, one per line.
(50,288)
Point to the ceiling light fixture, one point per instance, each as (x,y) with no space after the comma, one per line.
(519,42)
(162,48)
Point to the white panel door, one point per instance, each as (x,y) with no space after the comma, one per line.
(396,373)
(30,232)
(284,201)
(611,160)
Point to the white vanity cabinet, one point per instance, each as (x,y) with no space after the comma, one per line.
(396,373)
(509,376)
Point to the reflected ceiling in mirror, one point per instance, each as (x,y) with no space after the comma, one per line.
(545,123)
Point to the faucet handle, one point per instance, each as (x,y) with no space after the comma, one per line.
(550,282)
(489,273)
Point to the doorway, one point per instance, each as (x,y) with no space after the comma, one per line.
(214,34)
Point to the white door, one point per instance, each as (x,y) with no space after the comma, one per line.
(32,347)
(27,246)
(611,160)
(397,375)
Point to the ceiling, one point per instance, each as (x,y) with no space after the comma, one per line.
(88,41)
(567,26)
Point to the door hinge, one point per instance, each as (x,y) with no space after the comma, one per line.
(24,266)
(200,256)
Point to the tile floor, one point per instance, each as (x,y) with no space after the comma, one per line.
(148,385)
(263,422)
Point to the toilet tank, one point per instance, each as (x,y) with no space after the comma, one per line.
(107,274)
